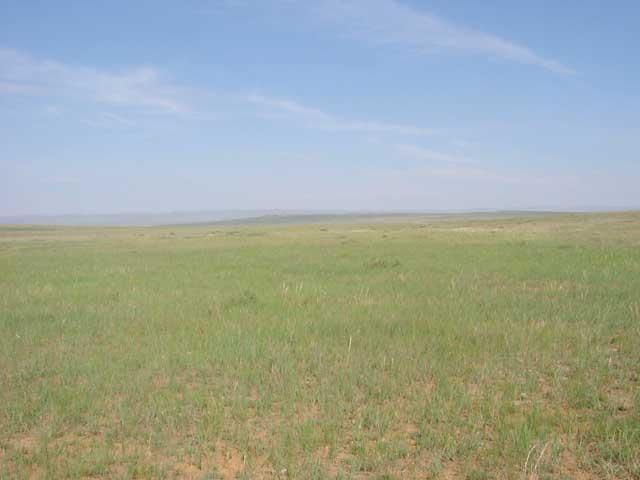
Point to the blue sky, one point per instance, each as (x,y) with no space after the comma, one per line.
(154,106)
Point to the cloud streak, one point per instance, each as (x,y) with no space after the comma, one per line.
(324,121)
(445,165)
(477,174)
(145,91)
(140,87)
(393,23)
(432,156)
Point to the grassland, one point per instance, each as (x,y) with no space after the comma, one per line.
(499,348)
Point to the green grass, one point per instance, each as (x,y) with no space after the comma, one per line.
(503,348)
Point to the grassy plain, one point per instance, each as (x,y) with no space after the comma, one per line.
(455,348)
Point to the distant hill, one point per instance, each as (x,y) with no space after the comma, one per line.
(236,217)
(137,219)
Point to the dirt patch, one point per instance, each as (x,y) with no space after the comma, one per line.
(622,402)
(568,465)
(25,444)
(229,462)
(450,471)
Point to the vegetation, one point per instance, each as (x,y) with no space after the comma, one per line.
(451,348)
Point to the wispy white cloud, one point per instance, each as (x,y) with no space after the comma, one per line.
(322,120)
(421,153)
(144,89)
(108,120)
(60,180)
(52,111)
(288,106)
(117,118)
(140,87)
(454,166)
(12,88)
(477,174)
(392,22)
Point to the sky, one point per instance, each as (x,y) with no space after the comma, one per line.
(156,106)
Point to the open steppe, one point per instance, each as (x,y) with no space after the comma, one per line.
(456,347)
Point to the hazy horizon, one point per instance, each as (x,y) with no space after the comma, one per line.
(355,105)
(280,215)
